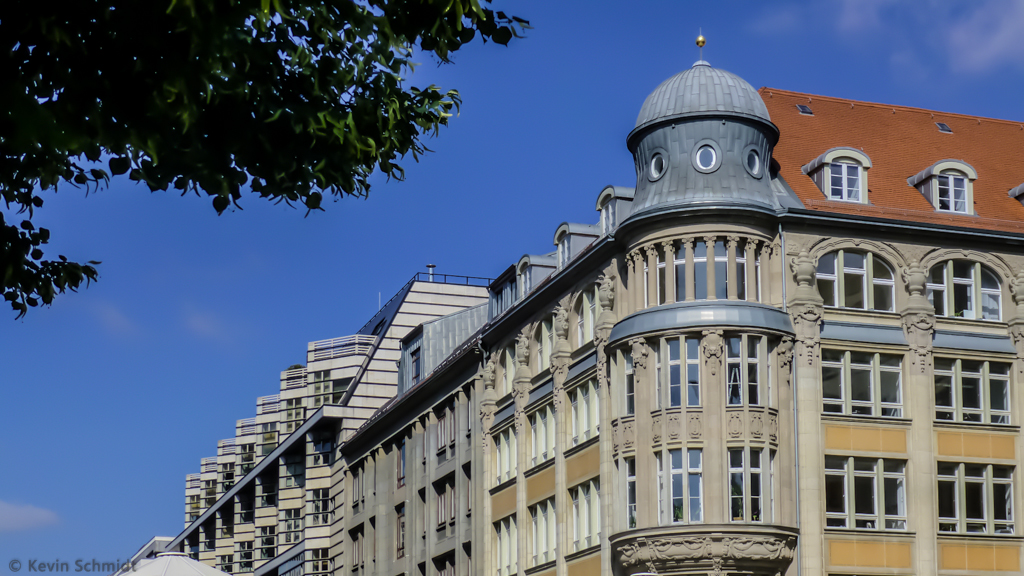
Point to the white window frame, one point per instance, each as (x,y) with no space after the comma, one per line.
(630,465)
(505,454)
(629,383)
(846,191)
(586,514)
(877,367)
(542,434)
(506,547)
(991,373)
(747,484)
(948,181)
(848,474)
(942,283)
(544,522)
(584,411)
(832,285)
(959,477)
(684,491)
(737,372)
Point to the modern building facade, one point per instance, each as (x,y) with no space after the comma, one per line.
(795,346)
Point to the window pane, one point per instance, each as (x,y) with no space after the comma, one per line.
(853,290)
(999,394)
(826,287)
(947,499)
(680,282)
(853,260)
(1002,496)
(895,503)
(721,279)
(860,385)
(835,494)
(741,279)
(827,264)
(879,270)
(700,279)
(864,494)
(883,297)
(989,306)
(890,386)
(963,305)
(937,298)
(971,393)
(963,269)
(974,500)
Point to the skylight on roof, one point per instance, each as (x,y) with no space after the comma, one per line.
(943,127)
(805,109)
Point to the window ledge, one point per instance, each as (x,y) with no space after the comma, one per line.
(540,467)
(848,418)
(585,552)
(947,536)
(975,426)
(503,485)
(582,445)
(860,532)
(541,567)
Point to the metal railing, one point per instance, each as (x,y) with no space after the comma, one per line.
(294,378)
(340,347)
(451,279)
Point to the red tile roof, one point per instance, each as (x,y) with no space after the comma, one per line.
(901,142)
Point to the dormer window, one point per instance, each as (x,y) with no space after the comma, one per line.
(841,174)
(607,217)
(845,178)
(948,185)
(563,251)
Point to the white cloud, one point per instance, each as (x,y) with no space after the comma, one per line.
(22,517)
(113,319)
(205,324)
(862,15)
(778,20)
(987,37)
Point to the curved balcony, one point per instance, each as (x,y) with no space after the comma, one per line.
(705,549)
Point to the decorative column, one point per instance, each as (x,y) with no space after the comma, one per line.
(605,323)
(636,287)
(646,465)
(631,279)
(709,242)
(805,309)
(560,358)
(669,248)
(484,473)
(731,292)
(521,397)
(716,499)
(750,253)
(652,274)
(782,431)
(1017,323)
(919,398)
(687,245)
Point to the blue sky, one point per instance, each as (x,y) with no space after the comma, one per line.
(114,394)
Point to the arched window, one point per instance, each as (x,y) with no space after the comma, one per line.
(854,279)
(955,288)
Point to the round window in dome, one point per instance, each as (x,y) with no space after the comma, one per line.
(706,157)
(657,166)
(753,163)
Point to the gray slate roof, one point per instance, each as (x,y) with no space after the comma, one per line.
(701,89)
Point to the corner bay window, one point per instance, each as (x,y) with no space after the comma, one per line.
(972,391)
(851,279)
(864,383)
(975,498)
(956,286)
(853,498)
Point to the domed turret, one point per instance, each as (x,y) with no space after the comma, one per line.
(703,138)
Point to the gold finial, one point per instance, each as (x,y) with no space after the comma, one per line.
(701,41)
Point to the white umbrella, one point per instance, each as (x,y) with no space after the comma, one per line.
(171,564)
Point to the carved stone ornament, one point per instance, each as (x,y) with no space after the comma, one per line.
(639,349)
(1017,287)
(656,429)
(756,425)
(694,426)
(560,356)
(675,427)
(717,553)
(651,251)
(785,352)
(628,435)
(919,328)
(807,325)
(773,427)
(616,436)
(712,345)
(606,294)
(734,426)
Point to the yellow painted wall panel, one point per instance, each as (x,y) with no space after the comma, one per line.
(837,437)
(950,444)
(503,503)
(540,485)
(977,445)
(865,439)
(870,554)
(893,441)
(897,555)
(1007,558)
(585,566)
(842,553)
(980,558)
(582,466)
(1003,446)
(952,556)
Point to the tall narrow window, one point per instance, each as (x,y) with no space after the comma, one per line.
(630,492)
(586,514)
(400,531)
(741,272)
(507,550)
(686,486)
(746,369)
(400,457)
(543,537)
(721,271)
(680,271)
(865,493)
(700,271)
(629,384)
(692,371)
(584,410)
(746,484)
(414,361)
(542,432)
(952,193)
(661,278)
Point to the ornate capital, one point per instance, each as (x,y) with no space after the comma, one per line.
(732,241)
(1017,290)
(686,243)
(709,241)
(669,246)
(712,345)
(652,251)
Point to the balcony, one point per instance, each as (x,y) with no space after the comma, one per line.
(710,548)
(358,345)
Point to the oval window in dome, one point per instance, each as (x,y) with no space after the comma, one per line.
(657,166)
(705,157)
(753,163)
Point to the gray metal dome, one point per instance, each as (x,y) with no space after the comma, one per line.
(701,89)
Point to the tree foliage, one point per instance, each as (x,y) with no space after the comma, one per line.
(291,99)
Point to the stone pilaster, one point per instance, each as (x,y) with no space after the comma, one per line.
(521,397)
(750,254)
(716,500)
(687,246)
(484,472)
(560,358)
(805,309)
(709,243)
(732,242)
(669,248)
(605,323)
(646,465)
(652,274)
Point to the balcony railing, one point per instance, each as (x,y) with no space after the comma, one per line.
(341,347)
